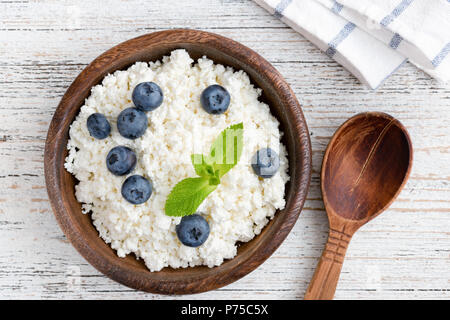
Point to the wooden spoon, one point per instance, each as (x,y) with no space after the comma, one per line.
(364,168)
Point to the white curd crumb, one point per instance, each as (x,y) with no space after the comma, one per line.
(236,211)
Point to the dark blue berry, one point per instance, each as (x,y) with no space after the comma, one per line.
(147,96)
(132,123)
(215,99)
(193,230)
(136,189)
(265,163)
(121,160)
(98,126)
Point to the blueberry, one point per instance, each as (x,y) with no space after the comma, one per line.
(121,160)
(265,163)
(132,123)
(215,99)
(98,126)
(193,230)
(147,96)
(136,189)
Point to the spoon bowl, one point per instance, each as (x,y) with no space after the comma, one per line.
(365,167)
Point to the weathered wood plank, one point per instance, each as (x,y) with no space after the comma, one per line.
(45,44)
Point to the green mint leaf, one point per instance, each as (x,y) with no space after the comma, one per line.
(201,167)
(214,181)
(187,195)
(226,150)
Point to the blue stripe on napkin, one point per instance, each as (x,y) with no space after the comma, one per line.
(441,55)
(396,12)
(281,6)
(337,7)
(345,31)
(395,41)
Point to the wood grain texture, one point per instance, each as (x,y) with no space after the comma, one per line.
(366,165)
(45,45)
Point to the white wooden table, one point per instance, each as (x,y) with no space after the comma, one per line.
(45,44)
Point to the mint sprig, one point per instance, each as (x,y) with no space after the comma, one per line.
(188,194)
(226,150)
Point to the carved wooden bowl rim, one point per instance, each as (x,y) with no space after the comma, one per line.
(78,227)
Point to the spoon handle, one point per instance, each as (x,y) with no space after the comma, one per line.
(325,279)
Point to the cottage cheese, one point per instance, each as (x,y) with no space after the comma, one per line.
(237,210)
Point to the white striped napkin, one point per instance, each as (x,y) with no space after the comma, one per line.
(373,38)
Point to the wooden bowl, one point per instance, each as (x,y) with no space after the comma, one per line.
(78,227)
